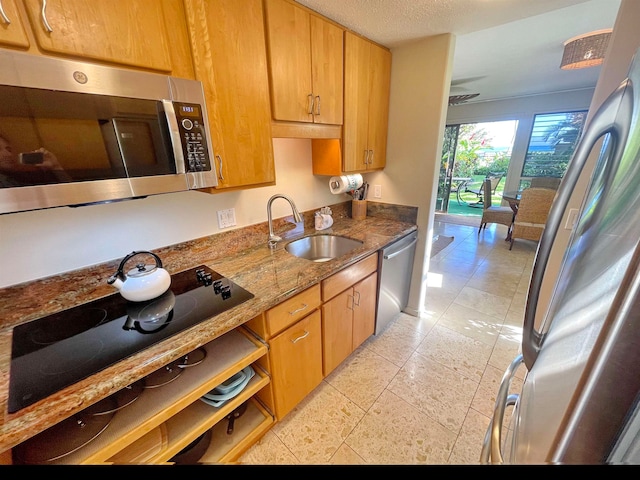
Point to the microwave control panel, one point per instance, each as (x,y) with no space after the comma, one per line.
(194,138)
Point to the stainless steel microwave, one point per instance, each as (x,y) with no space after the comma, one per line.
(74,133)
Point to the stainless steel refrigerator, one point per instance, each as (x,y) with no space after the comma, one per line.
(579,400)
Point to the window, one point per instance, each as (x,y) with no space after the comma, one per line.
(554,138)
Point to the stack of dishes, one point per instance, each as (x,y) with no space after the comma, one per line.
(229,388)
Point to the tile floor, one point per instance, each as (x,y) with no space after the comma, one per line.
(422,392)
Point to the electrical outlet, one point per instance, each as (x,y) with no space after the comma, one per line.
(227,218)
(377,191)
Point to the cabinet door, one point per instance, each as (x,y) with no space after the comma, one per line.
(12,34)
(380,76)
(129,32)
(337,330)
(289,39)
(327,71)
(296,360)
(228,44)
(364,312)
(357,53)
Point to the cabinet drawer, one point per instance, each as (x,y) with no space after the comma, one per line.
(292,310)
(344,279)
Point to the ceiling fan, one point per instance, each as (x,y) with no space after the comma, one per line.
(458,97)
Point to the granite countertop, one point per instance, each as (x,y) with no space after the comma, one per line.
(241,255)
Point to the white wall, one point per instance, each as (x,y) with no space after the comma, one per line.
(420,78)
(41,243)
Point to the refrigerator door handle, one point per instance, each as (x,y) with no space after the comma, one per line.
(491,445)
(614,117)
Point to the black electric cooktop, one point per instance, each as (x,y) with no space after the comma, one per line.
(53,352)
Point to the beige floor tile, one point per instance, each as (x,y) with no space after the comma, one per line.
(433,388)
(421,325)
(396,343)
(269,450)
(485,398)
(363,376)
(491,304)
(506,348)
(471,323)
(394,432)
(346,456)
(459,352)
(468,446)
(314,430)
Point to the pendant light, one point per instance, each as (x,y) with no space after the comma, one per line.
(585,50)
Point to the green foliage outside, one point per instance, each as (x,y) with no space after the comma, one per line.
(470,158)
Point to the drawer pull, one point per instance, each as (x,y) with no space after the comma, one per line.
(304,305)
(306,334)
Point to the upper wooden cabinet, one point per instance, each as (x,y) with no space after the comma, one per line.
(228,46)
(363,146)
(148,34)
(306,65)
(367,83)
(12,32)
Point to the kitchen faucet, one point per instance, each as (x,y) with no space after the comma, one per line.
(274,239)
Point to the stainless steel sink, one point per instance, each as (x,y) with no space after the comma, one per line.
(322,247)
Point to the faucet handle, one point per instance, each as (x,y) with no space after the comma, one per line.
(273,243)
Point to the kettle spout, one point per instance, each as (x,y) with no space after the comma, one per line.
(115,281)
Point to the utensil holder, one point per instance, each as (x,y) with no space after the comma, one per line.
(358,209)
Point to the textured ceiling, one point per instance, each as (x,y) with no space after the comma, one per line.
(504,48)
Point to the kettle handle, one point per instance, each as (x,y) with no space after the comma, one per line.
(120,273)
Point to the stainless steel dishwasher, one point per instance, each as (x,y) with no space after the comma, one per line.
(395,265)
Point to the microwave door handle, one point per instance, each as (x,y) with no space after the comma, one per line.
(176,141)
(613,117)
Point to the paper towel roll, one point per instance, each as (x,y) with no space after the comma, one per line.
(345,183)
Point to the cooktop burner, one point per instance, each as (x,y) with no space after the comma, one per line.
(53,352)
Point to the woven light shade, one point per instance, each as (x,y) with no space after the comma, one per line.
(585,50)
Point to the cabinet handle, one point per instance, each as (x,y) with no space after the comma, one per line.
(370,157)
(310,97)
(45,22)
(5,19)
(353,302)
(366,156)
(318,105)
(306,334)
(356,302)
(304,305)
(220,169)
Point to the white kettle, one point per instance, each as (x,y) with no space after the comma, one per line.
(145,282)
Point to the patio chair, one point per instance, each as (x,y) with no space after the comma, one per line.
(495,181)
(545,182)
(533,211)
(493,213)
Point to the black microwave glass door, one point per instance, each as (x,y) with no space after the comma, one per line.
(54,137)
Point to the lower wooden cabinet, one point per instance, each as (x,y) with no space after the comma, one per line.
(296,360)
(292,330)
(348,317)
